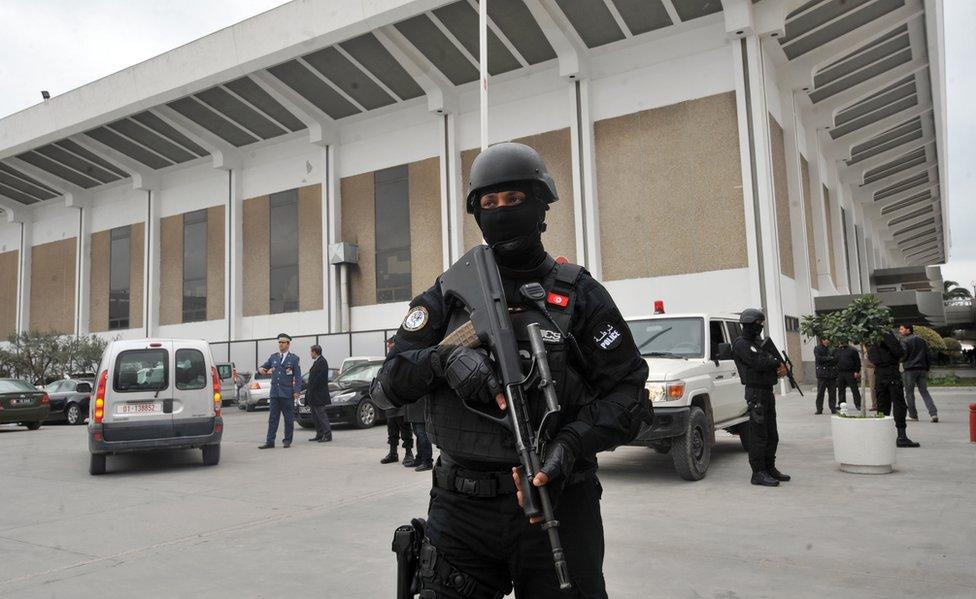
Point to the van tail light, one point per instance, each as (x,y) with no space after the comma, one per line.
(216,390)
(100,397)
(46,400)
(233,373)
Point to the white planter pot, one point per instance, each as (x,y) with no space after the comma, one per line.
(864,445)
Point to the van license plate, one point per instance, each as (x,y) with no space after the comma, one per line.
(140,408)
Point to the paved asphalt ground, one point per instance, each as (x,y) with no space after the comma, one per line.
(316,520)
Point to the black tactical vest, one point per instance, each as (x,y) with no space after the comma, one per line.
(755,378)
(462,433)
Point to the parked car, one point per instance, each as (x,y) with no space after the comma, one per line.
(69,399)
(353,361)
(349,397)
(21,403)
(155,394)
(258,393)
(228,382)
(693,384)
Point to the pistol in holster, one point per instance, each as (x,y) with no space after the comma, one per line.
(407,540)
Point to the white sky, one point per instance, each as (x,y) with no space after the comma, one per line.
(59,45)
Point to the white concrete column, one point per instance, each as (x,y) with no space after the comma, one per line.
(24,276)
(333,232)
(585,206)
(453,208)
(82,267)
(150,271)
(825,265)
(798,215)
(758,186)
(233,254)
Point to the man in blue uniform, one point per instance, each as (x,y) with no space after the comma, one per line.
(286,383)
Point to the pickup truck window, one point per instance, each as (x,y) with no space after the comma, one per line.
(669,337)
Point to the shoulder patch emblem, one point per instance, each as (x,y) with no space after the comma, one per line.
(606,336)
(416,319)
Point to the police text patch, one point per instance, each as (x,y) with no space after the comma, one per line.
(416,319)
(606,336)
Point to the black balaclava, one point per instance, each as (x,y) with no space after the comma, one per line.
(514,233)
(752,330)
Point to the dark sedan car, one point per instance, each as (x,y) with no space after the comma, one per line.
(69,400)
(349,396)
(21,403)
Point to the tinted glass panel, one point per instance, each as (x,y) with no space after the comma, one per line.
(668,337)
(284,251)
(191,369)
(118,293)
(15,386)
(392,203)
(195,266)
(141,370)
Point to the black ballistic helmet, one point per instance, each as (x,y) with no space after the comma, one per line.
(751,316)
(509,162)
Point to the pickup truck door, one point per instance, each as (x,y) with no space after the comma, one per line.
(727,396)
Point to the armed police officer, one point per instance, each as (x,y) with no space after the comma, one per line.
(889,392)
(478,541)
(759,370)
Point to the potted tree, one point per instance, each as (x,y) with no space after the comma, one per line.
(863,443)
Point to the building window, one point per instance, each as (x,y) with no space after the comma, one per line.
(195,266)
(284,252)
(118,285)
(392,204)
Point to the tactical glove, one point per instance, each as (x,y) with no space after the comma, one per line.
(558,465)
(468,372)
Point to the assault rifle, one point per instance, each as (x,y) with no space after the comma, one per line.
(771,348)
(474,281)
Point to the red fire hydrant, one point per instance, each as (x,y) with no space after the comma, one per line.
(972,423)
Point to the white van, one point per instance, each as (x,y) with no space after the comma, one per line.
(155,394)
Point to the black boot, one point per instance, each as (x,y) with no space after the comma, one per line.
(904,441)
(763,478)
(775,473)
(390,457)
(423,466)
(408,460)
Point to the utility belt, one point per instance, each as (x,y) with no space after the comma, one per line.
(477,483)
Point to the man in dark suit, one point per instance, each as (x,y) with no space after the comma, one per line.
(317,395)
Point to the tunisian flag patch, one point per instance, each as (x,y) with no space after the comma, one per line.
(560,301)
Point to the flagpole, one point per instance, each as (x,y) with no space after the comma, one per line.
(483,67)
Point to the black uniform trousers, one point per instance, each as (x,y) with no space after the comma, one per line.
(398,428)
(830,387)
(889,393)
(845,381)
(763,434)
(490,539)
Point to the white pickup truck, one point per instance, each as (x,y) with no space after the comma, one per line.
(694,387)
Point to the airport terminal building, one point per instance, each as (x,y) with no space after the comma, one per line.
(304,170)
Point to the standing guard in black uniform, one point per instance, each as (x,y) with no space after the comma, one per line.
(478,542)
(889,391)
(759,371)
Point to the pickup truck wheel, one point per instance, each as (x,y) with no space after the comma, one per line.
(691,451)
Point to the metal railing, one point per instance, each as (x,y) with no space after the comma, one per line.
(248,354)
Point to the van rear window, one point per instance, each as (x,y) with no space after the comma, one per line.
(141,370)
(191,370)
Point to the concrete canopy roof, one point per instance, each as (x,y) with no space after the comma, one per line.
(870,77)
(324,64)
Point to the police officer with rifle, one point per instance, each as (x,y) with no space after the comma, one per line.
(760,366)
(530,371)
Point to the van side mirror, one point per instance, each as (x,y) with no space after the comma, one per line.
(723,351)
